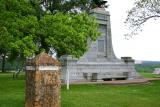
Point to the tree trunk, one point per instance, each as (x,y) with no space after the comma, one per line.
(3,62)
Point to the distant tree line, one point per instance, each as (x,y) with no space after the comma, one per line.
(12,66)
(147,66)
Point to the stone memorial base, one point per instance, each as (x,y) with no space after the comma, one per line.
(107,70)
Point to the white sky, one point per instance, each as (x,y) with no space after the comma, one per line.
(145,45)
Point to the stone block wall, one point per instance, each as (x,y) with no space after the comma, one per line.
(42,89)
(43,82)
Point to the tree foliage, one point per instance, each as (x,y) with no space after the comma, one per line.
(71,5)
(26,30)
(68,33)
(142,11)
(15,41)
(17,18)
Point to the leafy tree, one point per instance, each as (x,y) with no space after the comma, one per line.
(15,37)
(5,45)
(25,31)
(142,11)
(67,33)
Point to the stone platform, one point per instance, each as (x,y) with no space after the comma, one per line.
(120,82)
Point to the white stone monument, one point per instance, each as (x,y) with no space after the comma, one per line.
(99,62)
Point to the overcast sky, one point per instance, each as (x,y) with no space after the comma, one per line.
(144,46)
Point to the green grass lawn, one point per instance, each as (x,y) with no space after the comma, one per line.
(149,75)
(12,94)
(11,90)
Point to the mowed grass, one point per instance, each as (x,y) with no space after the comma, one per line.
(12,94)
(112,96)
(149,75)
(11,90)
